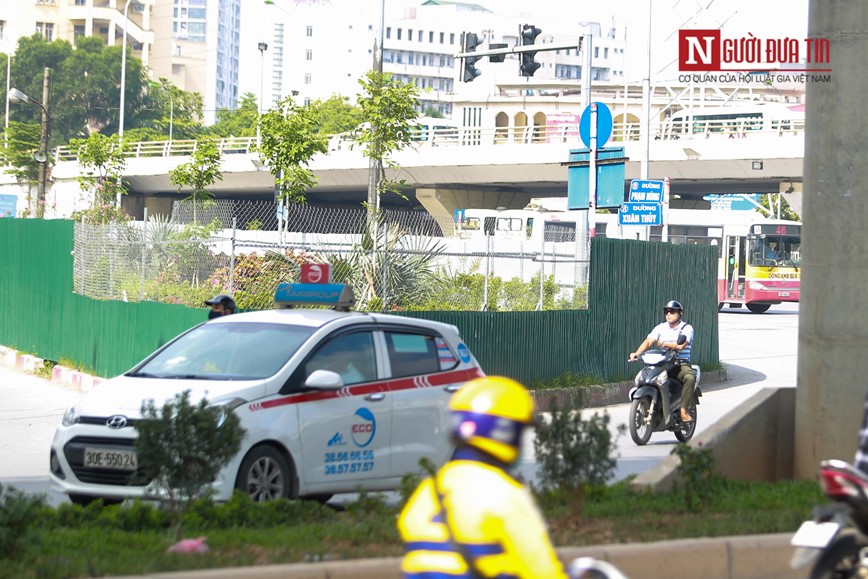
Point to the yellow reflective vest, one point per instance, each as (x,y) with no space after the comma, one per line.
(493,518)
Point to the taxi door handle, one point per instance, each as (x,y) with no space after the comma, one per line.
(452,388)
(375,397)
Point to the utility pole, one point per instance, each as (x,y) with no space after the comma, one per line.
(42,157)
(373,167)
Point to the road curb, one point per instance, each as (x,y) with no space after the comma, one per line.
(740,557)
(598,395)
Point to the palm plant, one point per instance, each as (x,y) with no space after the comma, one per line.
(387,267)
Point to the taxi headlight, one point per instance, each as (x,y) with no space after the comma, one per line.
(224,407)
(71,416)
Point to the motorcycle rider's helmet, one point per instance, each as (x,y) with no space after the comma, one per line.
(673,305)
(490,414)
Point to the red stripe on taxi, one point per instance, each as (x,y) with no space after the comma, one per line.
(390,385)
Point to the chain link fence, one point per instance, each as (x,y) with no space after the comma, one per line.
(395,260)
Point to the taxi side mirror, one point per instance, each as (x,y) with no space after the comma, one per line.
(324,380)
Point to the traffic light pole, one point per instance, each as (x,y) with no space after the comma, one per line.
(577,44)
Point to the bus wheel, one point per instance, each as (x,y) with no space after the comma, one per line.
(758,308)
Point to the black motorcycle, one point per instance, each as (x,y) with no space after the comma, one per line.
(656,397)
(836,540)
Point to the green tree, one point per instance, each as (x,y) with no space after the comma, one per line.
(102,162)
(85,86)
(770,204)
(389,108)
(202,171)
(182,447)
(288,143)
(337,115)
(167,109)
(23,142)
(240,122)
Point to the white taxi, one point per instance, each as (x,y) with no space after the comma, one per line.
(331,401)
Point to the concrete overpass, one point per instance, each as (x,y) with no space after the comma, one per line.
(476,168)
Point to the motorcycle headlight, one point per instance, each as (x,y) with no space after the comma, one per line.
(71,416)
(661,378)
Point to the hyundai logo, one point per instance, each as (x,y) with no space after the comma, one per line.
(116,421)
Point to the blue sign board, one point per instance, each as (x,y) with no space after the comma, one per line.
(604,124)
(644,191)
(734,201)
(8,205)
(610,178)
(632,213)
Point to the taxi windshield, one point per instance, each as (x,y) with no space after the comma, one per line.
(227,351)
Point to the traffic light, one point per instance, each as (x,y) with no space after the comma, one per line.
(528,65)
(469,42)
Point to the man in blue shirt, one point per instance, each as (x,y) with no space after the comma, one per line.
(665,335)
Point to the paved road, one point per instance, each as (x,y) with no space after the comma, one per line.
(30,411)
(759,350)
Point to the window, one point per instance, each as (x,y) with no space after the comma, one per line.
(451,38)
(410,34)
(308,54)
(46,30)
(388,32)
(417,354)
(78,31)
(431,37)
(309,31)
(350,355)
(442,37)
(307,78)
(399,34)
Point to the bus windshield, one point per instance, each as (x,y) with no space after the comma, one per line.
(775,250)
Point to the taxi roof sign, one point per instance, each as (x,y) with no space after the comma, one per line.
(338,296)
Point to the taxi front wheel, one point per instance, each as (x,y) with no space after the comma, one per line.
(266,475)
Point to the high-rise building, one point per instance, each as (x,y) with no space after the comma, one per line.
(316,48)
(205,55)
(70,20)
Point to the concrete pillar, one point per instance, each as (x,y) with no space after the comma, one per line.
(833,321)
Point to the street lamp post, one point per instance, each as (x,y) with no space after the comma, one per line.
(16,96)
(262,48)
(8,86)
(123,84)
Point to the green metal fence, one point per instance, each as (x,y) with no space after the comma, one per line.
(630,282)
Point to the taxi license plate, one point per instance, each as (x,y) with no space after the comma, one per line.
(815,535)
(113,459)
(784,294)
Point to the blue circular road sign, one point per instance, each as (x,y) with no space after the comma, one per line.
(604,125)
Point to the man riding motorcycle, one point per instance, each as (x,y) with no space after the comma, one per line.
(665,335)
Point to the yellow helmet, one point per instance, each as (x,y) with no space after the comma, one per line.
(490,413)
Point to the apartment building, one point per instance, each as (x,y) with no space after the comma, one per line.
(72,19)
(316,48)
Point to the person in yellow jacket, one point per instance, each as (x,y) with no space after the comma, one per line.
(472,519)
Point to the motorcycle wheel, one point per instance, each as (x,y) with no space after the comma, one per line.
(685,430)
(840,560)
(640,420)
